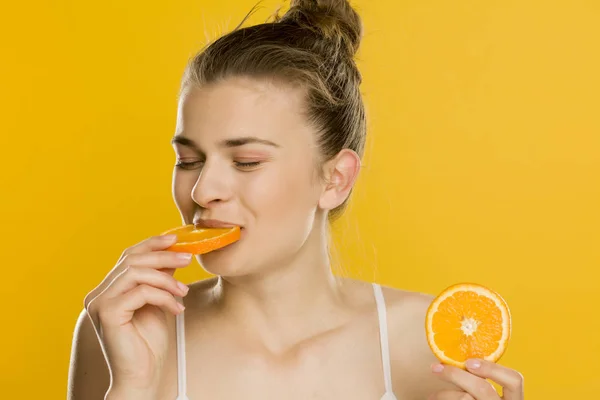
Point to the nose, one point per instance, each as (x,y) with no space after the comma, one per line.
(211,187)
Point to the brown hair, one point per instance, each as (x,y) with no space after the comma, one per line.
(312,45)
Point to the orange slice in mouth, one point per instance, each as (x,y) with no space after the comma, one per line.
(468,321)
(191,239)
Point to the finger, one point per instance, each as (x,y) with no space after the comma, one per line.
(510,380)
(154,243)
(166,261)
(161,261)
(152,253)
(135,276)
(477,387)
(120,310)
(450,395)
(130,279)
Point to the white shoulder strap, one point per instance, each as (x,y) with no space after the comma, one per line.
(181,369)
(383,337)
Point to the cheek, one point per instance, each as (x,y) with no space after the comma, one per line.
(283,194)
(183,184)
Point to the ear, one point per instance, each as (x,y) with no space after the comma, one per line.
(340,174)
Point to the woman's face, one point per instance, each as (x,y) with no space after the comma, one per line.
(246,156)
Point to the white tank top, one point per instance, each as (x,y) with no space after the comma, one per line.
(383,341)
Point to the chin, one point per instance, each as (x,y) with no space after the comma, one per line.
(227,261)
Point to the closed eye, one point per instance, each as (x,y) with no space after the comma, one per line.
(189,165)
(247,165)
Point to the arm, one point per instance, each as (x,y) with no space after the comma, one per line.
(89,376)
(410,355)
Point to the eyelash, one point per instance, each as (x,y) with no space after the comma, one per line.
(249,164)
(187,165)
(190,165)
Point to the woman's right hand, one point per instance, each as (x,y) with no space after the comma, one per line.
(129,312)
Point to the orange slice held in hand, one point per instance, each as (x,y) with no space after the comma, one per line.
(195,240)
(468,321)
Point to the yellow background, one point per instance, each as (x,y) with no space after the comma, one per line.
(483,164)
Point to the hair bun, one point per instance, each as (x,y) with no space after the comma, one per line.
(335,20)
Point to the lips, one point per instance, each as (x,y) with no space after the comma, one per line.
(214,223)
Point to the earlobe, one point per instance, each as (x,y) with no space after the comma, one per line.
(340,174)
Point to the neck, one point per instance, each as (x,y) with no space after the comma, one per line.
(287,303)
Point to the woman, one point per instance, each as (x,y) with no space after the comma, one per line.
(269,135)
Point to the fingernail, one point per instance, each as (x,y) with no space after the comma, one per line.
(168,238)
(437,368)
(473,364)
(184,256)
(183,287)
(180,306)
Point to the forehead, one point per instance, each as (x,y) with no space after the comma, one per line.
(242,106)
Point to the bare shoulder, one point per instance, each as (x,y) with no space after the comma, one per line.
(406,302)
(89,377)
(410,354)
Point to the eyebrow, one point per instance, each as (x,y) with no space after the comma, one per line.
(228,143)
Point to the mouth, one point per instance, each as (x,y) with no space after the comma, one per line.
(218,224)
(214,223)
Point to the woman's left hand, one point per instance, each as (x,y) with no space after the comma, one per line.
(474,384)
